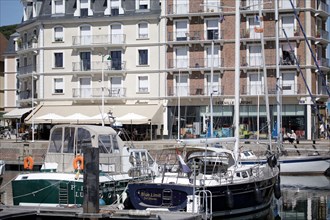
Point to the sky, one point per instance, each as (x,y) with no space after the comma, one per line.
(10,12)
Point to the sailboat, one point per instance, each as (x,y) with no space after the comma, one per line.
(60,181)
(210,180)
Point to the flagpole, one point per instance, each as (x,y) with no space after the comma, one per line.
(102,109)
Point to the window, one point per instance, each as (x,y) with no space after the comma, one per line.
(142,4)
(255,58)
(181,85)
(114,11)
(84,6)
(58,7)
(114,5)
(58,85)
(143,57)
(85,58)
(116,86)
(83,12)
(143,84)
(143,30)
(212,29)
(58,57)
(256,85)
(215,89)
(58,34)
(181,30)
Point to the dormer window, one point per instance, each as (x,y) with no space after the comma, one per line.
(84,6)
(142,4)
(58,7)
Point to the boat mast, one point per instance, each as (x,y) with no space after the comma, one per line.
(211,91)
(237,77)
(278,81)
(265,77)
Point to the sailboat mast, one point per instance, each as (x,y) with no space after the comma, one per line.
(211,92)
(265,78)
(278,80)
(237,76)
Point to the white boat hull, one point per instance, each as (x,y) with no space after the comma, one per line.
(303,166)
(308,165)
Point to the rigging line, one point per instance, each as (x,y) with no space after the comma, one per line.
(310,49)
(303,76)
(31,193)
(2,187)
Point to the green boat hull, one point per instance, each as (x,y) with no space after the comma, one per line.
(62,192)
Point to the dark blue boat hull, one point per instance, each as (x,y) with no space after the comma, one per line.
(227,200)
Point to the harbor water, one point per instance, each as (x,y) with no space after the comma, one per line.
(303,197)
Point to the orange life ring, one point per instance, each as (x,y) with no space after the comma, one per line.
(28,163)
(78,162)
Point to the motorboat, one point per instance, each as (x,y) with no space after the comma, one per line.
(60,181)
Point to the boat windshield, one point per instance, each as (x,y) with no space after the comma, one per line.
(108,144)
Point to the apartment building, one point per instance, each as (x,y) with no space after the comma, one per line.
(3,45)
(201,64)
(169,60)
(91,57)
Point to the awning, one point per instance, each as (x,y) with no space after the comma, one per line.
(16,113)
(152,113)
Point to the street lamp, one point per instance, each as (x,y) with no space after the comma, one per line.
(32,105)
(102,84)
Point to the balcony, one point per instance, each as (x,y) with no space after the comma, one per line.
(27,46)
(323,62)
(285,4)
(87,66)
(287,89)
(26,95)
(322,36)
(250,5)
(88,93)
(99,40)
(26,70)
(256,61)
(323,8)
(188,91)
(195,64)
(194,36)
(288,60)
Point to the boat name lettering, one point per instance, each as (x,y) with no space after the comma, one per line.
(150,196)
(79,194)
(76,188)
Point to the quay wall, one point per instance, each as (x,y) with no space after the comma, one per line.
(13,152)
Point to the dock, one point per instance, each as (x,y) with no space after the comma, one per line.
(41,213)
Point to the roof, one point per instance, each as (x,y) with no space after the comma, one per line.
(3,45)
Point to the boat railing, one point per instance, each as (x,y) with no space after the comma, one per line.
(205,204)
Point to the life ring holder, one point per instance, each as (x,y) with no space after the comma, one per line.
(28,163)
(78,162)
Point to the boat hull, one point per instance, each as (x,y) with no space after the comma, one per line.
(298,165)
(227,200)
(56,189)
